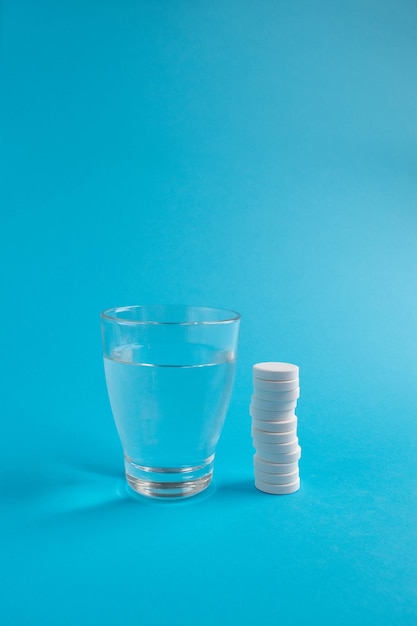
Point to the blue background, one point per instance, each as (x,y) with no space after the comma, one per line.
(259,156)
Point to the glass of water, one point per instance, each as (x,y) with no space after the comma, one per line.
(169,373)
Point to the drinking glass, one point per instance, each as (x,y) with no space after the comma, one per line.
(169,373)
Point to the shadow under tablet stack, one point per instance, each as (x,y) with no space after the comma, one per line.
(276,389)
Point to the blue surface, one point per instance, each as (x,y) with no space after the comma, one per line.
(257,156)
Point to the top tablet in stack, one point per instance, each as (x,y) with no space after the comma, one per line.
(274,427)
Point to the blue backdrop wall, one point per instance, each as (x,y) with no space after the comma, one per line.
(259,156)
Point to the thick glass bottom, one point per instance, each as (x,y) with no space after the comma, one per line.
(169,482)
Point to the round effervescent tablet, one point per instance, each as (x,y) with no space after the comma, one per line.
(268,437)
(267,405)
(277,396)
(276,385)
(271,416)
(274,370)
(277,490)
(273,468)
(283,426)
(275,457)
(276,448)
(277,479)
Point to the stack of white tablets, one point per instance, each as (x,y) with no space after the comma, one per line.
(274,427)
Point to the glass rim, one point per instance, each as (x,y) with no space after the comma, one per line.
(111,315)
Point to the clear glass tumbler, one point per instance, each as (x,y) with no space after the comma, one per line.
(169,373)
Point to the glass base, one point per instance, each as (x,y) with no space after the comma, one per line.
(169,482)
